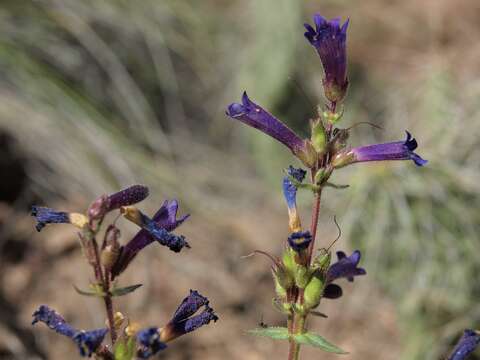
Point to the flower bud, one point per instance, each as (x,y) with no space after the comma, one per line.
(288,260)
(280,288)
(319,136)
(302,276)
(111,249)
(313,292)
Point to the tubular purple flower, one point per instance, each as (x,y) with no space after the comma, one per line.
(129,196)
(106,203)
(164,218)
(87,341)
(53,320)
(253,115)
(190,305)
(329,39)
(398,150)
(345,267)
(150,344)
(183,322)
(46,215)
(466,345)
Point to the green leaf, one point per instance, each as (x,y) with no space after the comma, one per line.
(317,341)
(125,290)
(273,332)
(125,350)
(96,291)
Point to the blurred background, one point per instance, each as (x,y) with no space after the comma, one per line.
(97,95)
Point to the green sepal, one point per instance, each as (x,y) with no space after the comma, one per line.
(273,332)
(319,136)
(288,260)
(302,276)
(280,288)
(125,290)
(125,349)
(318,342)
(314,291)
(96,290)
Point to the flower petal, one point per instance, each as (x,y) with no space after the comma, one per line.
(251,114)
(466,345)
(345,267)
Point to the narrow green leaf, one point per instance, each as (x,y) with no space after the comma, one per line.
(96,291)
(125,290)
(319,342)
(273,332)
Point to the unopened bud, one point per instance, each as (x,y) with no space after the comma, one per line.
(313,292)
(319,136)
(302,276)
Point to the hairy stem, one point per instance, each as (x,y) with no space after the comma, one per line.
(314,223)
(103,278)
(109,308)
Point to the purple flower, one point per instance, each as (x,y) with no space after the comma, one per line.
(251,114)
(150,343)
(106,203)
(300,241)
(345,267)
(87,341)
(190,305)
(184,320)
(329,39)
(46,216)
(398,150)
(129,196)
(53,320)
(466,345)
(164,221)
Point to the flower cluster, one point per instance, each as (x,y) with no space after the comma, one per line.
(109,260)
(301,278)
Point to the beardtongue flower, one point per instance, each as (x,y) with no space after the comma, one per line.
(329,39)
(398,150)
(253,115)
(87,341)
(184,319)
(106,203)
(149,341)
(45,216)
(345,267)
(466,345)
(165,218)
